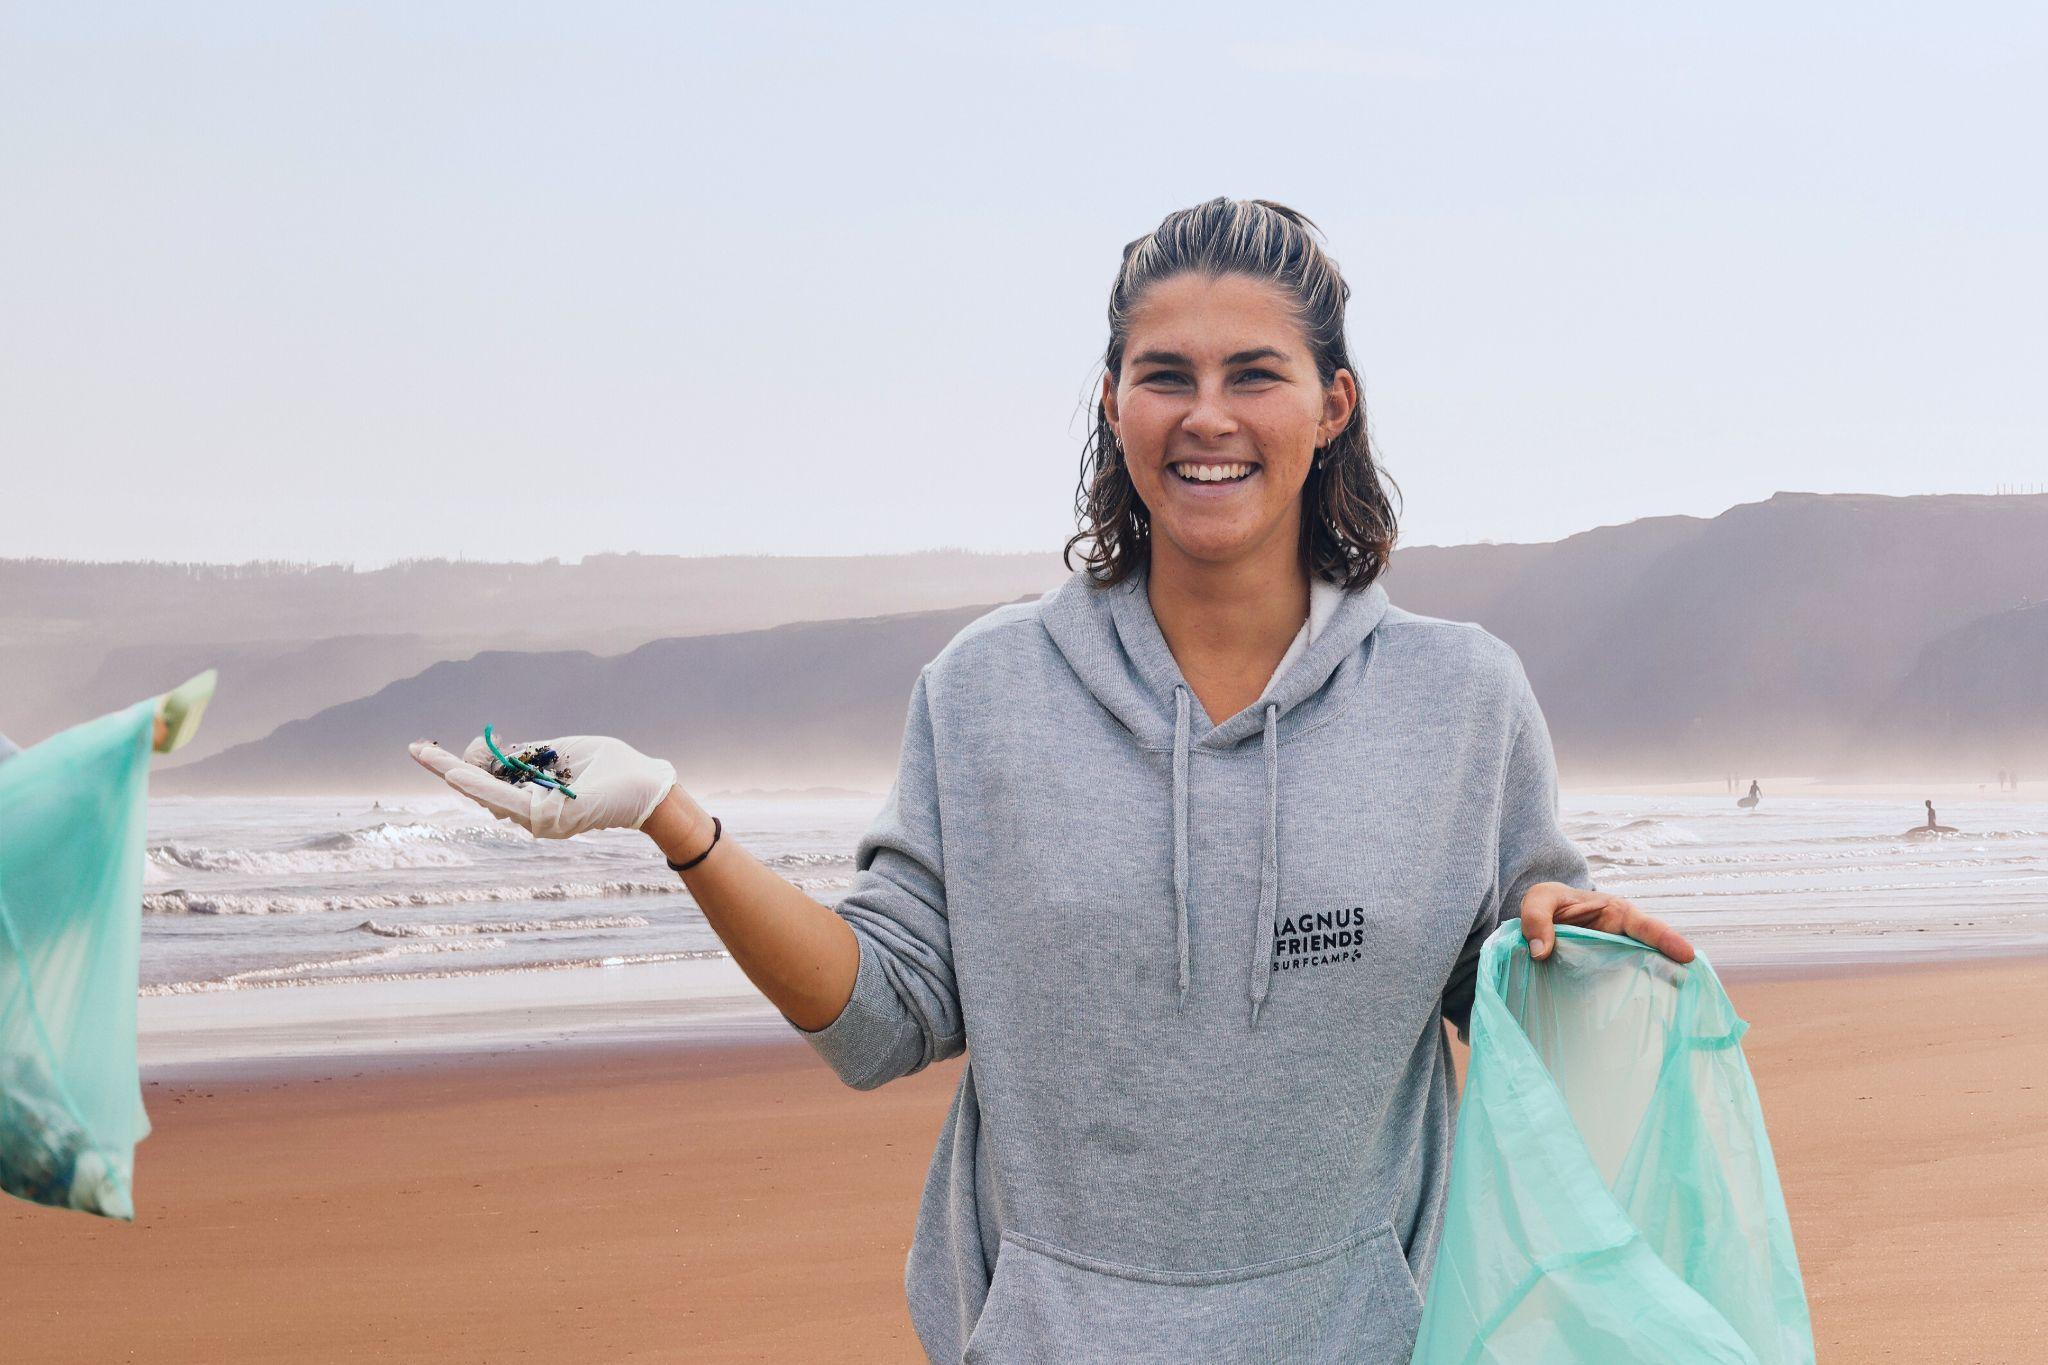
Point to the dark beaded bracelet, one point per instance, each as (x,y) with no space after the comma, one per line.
(716,830)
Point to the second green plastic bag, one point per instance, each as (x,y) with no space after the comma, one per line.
(1613,1194)
(71,851)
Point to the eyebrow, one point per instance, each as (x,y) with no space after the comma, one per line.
(1175,358)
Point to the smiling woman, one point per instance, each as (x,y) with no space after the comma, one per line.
(1193,858)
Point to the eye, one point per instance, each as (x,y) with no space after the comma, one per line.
(1158,375)
(1268,374)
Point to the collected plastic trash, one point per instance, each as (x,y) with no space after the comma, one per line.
(1613,1194)
(72,836)
(538,763)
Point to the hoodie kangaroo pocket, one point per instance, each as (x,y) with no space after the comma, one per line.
(1353,1302)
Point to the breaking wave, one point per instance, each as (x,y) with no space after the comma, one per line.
(388,835)
(267,977)
(808,859)
(379,848)
(182,902)
(520,926)
(289,862)
(1644,833)
(258,975)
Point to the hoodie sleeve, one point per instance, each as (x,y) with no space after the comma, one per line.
(1532,848)
(904,1013)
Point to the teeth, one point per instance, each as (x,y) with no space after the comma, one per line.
(1211,473)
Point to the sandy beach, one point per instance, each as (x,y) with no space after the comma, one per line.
(726,1199)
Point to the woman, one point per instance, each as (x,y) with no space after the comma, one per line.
(1192,856)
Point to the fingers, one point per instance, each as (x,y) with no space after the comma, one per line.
(1548,904)
(498,797)
(1619,915)
(1539,909)
(432,756)
(502,799)
(1659,935)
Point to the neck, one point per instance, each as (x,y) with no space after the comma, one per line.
(1221,618)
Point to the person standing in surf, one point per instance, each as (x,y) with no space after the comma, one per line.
(1191,857)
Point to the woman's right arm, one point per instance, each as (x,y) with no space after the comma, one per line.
(868,983)
(796,951)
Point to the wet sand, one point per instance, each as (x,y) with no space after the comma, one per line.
(731,1201)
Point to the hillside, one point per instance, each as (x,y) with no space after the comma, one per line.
(1841,633)
(291,640)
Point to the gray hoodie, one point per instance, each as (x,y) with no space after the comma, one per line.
(1203,971)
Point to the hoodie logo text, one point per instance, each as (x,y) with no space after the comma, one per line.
(1309,940)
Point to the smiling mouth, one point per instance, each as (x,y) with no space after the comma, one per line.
(1212,472)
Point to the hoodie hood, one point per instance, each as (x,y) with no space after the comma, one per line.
(1112,641)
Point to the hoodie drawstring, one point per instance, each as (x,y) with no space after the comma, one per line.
(1269,864)
(1180,830)
(1269,869)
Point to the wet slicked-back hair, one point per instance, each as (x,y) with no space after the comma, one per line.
(1347,522)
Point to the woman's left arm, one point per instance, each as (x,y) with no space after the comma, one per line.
(1543,874)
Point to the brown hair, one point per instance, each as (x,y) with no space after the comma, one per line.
(1347,523)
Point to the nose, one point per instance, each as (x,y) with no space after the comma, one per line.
(1209,416)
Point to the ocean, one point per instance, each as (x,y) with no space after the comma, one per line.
(305,894)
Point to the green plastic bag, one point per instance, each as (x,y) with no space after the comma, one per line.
(1613,1195)
(71,859)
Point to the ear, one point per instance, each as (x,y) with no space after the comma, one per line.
(1339,398)
(1109,402)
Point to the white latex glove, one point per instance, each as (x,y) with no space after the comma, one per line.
(616,786)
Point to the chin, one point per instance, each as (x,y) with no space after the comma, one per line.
(1209,547)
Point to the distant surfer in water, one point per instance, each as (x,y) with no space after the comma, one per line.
(1932,827)
(1756,794)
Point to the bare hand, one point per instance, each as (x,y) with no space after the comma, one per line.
(1548,903)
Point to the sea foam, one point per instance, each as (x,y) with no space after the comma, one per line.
(523,926)
(183,902)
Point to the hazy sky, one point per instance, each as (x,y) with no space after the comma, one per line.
(310,282)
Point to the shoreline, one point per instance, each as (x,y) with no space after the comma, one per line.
(288,1031)
(365,1017)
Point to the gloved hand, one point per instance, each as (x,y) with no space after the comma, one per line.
(616,786)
